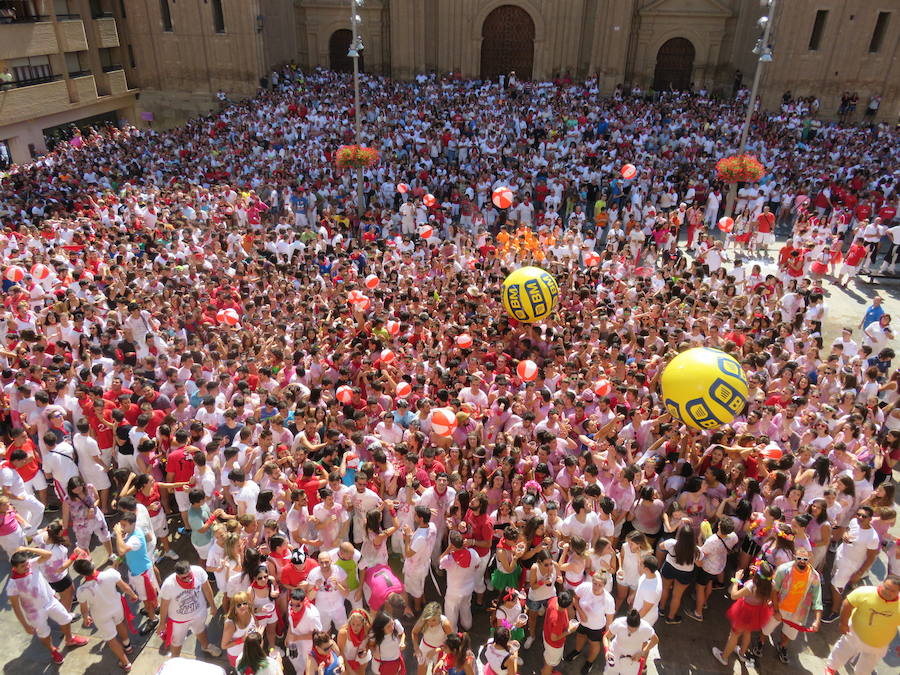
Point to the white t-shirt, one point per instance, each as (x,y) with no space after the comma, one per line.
(185,604)
(571,526)
(648,590)
(328,597)
(101,594)
(669,547)
(715,552)
(461,579)
(626,643)
(861,542)
(595,607)
(33,591)
(247,496)
(422,542)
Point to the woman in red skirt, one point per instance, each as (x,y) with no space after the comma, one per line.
(750,612)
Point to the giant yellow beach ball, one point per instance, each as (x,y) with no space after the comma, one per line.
(704,388)
(529,294)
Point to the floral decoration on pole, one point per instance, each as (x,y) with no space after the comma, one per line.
(740,169)
(355,157)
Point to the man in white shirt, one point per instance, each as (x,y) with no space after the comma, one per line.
(461,564)
(185,598)
(417,548)
(628,642)
(59,463)
(360,502)
(439,498)
(649,590)
(850,347)
(303,621)
(101,594)
(35,603)
(329,582)
(854,557)
(581,522)
(245,493)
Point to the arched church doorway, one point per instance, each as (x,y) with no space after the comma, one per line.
(507,43)
(674,65)
(338,46)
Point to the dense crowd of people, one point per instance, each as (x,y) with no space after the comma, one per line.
(204,341)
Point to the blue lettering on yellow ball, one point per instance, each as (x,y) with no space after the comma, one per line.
(727,396)
(514,302)
(536,297)
(701,414)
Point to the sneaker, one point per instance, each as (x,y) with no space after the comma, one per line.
(571,656)
(717,653)
(831,618)
(76,641)
(756,650)
(171,555)
(57,656)
(586,668)
(782,654)
(528,642)
(691,614)
(213,650)
(674,621)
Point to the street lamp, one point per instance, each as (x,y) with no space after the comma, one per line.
(356,46)
(763,50)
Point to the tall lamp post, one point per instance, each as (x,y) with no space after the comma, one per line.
(763,50)
(356,46)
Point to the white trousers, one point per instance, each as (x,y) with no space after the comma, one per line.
(849,646)
(458,609)
(32,510)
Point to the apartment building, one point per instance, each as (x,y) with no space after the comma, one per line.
(61,65)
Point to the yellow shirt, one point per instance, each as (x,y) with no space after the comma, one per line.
(874,619)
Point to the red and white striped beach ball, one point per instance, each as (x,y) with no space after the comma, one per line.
(464,340)
(591,258)
(629,171)
(345,394)
(429,200)
(387,356)
(402,188)
(502,197)
(425,231)
(392,327)
(372,281)
(40,271)
(14,274)
(602,387)
(404,389)
(527,371)
(443,421)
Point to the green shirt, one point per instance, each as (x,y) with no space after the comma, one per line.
(196,519)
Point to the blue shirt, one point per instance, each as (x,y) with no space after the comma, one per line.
(137,557)
(872,315)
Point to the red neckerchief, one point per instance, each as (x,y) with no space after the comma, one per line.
(92,576)
(254,585)
(297,616)
(463,557)
(188,585)
(19,575)
(505,545)
(355,638)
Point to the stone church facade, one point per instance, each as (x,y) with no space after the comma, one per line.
(821,47)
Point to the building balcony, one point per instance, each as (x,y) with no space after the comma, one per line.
(84,87)
(32,38)
(117,82)
(33,101)
(72,37)
(107,33)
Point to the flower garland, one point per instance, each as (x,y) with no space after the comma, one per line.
(740,169)
(355,156)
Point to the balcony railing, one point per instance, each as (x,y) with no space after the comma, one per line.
(102,15)
(18,84)
(68,17)
(111,69)
(79,73)
(12,18)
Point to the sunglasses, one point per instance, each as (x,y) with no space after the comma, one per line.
(242,604)
(863,515)
(801,559)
